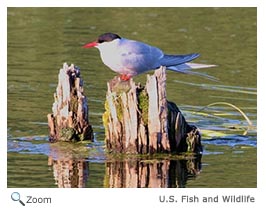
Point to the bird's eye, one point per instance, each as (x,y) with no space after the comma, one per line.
(100,40)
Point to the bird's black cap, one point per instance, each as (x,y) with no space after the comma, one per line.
(107,37)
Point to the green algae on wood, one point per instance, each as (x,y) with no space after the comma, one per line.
(143,99)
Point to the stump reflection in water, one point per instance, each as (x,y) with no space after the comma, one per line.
(69,164)
(70,173)
(151,173)
(130,173)
(72,169)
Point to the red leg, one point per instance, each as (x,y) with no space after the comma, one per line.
(124,77)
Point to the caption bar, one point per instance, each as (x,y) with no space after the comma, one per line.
(207,199)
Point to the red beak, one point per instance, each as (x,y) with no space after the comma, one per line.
(90,45)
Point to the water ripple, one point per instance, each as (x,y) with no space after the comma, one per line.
(232,140)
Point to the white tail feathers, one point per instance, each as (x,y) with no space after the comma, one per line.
(199,66)
(186,67)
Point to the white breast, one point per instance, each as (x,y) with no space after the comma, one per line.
(112,56)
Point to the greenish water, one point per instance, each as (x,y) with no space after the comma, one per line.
(41,39)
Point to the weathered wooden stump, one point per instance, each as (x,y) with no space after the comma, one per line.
(69,120)
(140,120)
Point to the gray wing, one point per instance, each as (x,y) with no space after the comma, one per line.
(173,60)
(138,56)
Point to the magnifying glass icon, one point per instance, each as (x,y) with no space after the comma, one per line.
(15,196)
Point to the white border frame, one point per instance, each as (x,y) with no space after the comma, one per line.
(136,199)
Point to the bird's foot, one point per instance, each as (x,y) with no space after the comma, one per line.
(125,77)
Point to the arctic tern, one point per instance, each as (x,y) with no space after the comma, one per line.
(130,58)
